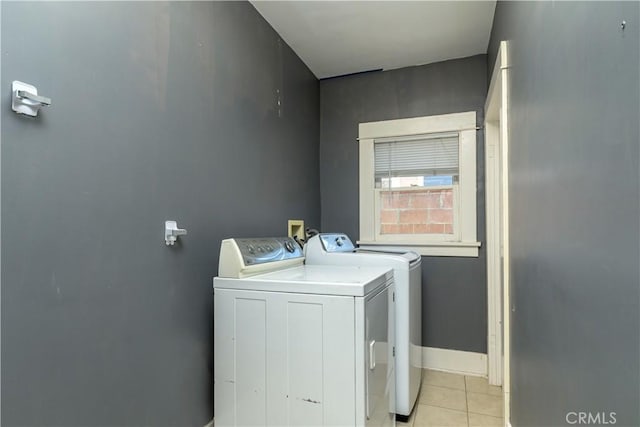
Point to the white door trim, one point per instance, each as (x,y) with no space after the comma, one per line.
(497,186)
(494,307)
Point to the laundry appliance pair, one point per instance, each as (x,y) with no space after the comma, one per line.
(333,341)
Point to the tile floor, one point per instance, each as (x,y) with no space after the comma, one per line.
(456,400)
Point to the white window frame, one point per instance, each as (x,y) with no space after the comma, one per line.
(463,242)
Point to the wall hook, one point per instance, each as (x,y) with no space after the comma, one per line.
(623,25)
(171,232)
(25,99)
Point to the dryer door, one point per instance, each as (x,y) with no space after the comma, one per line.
(380,366)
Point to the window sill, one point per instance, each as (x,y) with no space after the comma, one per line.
(450,249)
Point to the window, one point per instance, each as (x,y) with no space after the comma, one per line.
(418,184)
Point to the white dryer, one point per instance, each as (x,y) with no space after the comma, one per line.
(337,249)
(301,345)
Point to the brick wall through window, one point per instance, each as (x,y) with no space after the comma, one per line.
(424,211)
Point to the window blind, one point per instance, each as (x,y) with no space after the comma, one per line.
(435,154)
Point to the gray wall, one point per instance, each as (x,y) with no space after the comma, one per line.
(454,289)
(160,111)
(574,208)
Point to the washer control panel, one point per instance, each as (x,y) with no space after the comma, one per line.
(336,242)
(263,250)
(246,257)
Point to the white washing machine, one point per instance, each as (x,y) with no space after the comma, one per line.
(301,345)
(337,249)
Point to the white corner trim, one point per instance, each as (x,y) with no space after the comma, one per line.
(506,402)
(210,423)
(455,361)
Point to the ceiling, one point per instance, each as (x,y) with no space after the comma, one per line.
(342,37)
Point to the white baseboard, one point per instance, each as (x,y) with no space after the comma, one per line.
(455,361)
(210,423)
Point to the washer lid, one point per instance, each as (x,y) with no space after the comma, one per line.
(317,253)
(410,256)
(314,279)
